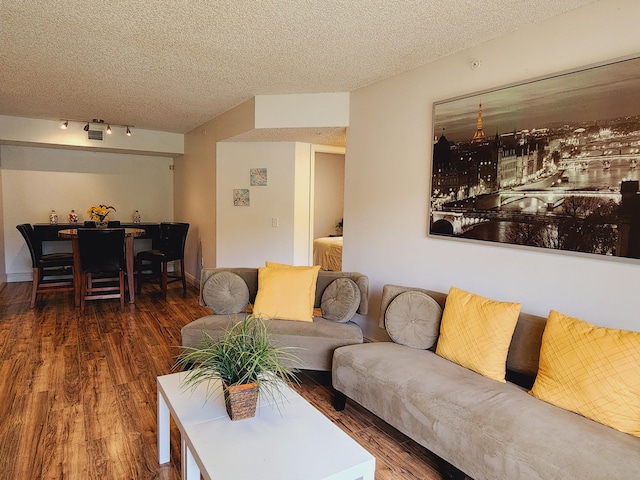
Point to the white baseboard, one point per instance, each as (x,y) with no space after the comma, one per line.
(192,280)
(19,277)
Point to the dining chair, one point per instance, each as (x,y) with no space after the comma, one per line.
(52,272)
(170,248)
(102,264)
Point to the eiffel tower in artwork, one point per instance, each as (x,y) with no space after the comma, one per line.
(479,136)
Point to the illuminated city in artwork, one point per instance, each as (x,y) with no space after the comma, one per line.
(552,163)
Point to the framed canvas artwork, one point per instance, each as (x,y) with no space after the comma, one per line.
(551,163)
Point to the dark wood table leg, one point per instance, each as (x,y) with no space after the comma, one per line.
(77,274)
(128,249)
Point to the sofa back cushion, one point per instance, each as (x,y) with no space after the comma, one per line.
(250,276)
(524,351)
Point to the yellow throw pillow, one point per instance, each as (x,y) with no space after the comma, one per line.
(312,291)
(475,332)
(286,292)
(593,371)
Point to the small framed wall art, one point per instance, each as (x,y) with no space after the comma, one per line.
(258,177)
(241,197)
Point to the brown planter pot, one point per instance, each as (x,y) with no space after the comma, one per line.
(240,400)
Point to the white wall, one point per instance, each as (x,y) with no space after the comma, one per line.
(388,170)
(302,205)
(328,193)
(36,180)
(3,271)
(32,131)
(302,110)
(245,235)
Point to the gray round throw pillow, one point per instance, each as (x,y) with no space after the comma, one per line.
(340,300)
(225,293)
(413,319)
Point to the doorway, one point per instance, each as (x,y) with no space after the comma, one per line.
(327,194)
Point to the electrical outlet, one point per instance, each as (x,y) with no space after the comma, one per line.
(275,222)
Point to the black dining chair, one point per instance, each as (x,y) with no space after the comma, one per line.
(102,264)
(170,248)
(52,272)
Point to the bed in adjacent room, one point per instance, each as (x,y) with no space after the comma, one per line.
(327,252)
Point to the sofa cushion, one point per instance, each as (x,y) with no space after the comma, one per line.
(286,292)
(340,300)
(590,370)
(413,319)
(475,332)
(485,428)
(524,351)
(313,342)
(225,293)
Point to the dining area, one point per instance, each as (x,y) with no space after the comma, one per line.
(100,261)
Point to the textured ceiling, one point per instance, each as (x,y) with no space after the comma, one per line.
(172,65)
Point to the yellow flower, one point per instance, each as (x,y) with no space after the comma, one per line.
(98,213)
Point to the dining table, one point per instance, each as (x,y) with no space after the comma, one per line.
(129,235)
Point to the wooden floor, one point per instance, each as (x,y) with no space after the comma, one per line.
(78,395)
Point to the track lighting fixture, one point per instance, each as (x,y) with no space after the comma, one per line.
(99,122)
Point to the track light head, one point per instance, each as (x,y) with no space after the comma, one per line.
(96,121)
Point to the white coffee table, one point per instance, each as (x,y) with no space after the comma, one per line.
(290,440)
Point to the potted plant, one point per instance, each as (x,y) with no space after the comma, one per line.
(245,360)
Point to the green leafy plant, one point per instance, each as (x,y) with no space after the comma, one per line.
(244,354)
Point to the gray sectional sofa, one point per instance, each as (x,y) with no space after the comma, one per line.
(229,293)
(484,428)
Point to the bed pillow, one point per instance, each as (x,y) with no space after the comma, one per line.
(286,292)
(476,332)
(340,300)
(226,293)
(593,371)
(413,319)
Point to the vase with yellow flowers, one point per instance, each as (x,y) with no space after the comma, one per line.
(100,214)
